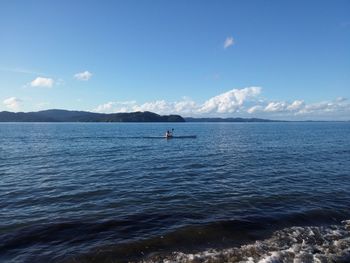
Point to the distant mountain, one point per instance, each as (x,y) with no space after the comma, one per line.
(228,120)
(84,116)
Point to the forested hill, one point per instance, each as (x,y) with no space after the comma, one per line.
(84,116)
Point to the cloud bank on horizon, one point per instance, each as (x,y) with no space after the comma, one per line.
(237,102)
(244,102)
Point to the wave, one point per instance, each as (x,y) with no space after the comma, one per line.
(161,238)
(226,241)
(294,244)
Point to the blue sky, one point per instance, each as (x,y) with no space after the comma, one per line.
(282,59)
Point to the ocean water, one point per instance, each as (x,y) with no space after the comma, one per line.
(114,192)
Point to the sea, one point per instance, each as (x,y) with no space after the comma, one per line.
(120,192)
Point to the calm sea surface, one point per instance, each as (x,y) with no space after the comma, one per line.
(103,192)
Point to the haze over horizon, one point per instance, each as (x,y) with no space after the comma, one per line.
(249,59)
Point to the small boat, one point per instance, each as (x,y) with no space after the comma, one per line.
(170,135)
(181,137)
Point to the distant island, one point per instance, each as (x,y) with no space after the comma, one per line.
(190,119)
(84,116)
(56,115)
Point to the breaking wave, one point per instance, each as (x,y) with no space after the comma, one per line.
(294,244)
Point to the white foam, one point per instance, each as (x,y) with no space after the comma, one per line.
(273,258)
(295,244)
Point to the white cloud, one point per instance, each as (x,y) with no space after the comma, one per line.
(84,76)
(281,106)
(275,107)
(42,82)
(230,101)
(159,106)
(12,103)
(115,106)
(297,105)
(255,109)
(185,106)
(224,103)
(324,106)
(338,108)
(229,41)
(107,107)
(238,103)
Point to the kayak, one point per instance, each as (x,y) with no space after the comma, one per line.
(171,137)
(181,137)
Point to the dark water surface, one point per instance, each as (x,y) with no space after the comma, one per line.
(103,192)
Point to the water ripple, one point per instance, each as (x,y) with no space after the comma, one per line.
(69,190)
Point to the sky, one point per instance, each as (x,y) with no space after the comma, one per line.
(273,59)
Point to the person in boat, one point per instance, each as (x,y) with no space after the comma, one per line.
(168,134)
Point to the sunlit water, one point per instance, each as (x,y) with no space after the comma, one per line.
(101,192)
